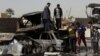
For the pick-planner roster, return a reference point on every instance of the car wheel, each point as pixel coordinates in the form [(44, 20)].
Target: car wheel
[(34, 50), (38, 49), (51, 49)]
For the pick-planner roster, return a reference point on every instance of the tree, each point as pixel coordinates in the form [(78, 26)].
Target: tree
[(10, 12)]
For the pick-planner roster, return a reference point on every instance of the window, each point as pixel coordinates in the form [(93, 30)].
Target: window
[(46, 36), (26, 22)]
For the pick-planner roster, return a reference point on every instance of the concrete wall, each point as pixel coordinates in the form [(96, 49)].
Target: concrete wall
[(8, 24)]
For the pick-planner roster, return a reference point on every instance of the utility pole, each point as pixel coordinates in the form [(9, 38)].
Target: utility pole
[(69, 13)]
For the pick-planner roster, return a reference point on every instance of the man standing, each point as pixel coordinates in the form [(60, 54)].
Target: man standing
[(95, 36), (72, 36), (46, 17), (81, 34), (58, 14)]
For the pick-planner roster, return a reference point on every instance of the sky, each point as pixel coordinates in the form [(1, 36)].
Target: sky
[(21, 7)]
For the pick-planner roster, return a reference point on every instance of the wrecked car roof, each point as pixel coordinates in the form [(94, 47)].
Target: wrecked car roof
[(92, 5), (33, 17), (32, 13)]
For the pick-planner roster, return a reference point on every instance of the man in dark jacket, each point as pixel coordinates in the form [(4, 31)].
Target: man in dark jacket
[(58, 15), (46, 17), (72, 36)]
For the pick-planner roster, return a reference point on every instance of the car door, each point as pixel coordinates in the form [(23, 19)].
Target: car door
[(45, 40)]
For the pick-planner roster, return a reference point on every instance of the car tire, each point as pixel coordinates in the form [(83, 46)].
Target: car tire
[(34, 51), (38, 49), (50, 49)]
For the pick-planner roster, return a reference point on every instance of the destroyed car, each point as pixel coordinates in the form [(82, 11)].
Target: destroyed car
[(30, 25), (17, 44), (93, 13), (50, 42)]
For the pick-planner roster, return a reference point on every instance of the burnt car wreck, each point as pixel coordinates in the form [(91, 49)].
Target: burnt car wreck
[(28, 32), (94, 14)]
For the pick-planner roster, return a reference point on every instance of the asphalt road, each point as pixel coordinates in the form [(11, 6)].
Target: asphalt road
[(83, 51)]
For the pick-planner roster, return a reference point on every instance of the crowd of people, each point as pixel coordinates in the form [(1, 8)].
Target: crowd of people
[(76, 34), (80, 29), (72, 29)]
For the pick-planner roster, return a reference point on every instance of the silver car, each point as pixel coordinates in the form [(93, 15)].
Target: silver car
[(50, 42)]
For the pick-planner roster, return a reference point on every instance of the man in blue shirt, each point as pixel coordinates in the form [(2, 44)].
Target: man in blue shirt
[(81, 34)]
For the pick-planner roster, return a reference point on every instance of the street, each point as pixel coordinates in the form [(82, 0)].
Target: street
[(82, 52)]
